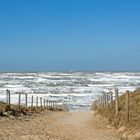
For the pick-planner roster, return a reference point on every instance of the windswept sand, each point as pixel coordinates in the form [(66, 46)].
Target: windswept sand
[(57, 126)]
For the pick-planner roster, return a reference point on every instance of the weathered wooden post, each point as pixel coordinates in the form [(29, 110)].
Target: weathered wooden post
[(9, 99), (108, 100), (41, 102), (105, 98), (104, 103), (96, 104), (37, 101), (32, 101), (116, 101), (127, 106), (19, 100), (52, 105), (49, 104), (7, 96), (100, 102), (111, 98), (110, 105), (44, 103), (26, 99)]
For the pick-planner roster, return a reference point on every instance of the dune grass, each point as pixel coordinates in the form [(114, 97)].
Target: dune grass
[(14, 110), (119, 120)]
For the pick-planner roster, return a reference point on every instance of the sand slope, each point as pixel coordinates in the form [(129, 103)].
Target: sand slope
[(57, 126)]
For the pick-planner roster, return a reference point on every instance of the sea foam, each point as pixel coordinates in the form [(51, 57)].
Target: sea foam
[(76, 90)]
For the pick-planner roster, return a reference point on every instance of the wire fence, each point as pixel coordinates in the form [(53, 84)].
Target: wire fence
[(114, 106), (28, 100)]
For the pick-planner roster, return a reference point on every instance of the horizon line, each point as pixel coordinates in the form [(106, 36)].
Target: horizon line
[(70, 71)]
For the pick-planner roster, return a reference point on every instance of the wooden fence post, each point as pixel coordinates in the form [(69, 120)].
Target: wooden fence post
[(32, 102), (104, 100), (19, 101), (97, 103), (9, 99), (7, 96), (37, 101), (102, 103), (116, 101), (52, 105), (26, 99), (47, 104), (127, 106), (110, 104), (44, 103), (41, 102), (111, 98), (107, 100)]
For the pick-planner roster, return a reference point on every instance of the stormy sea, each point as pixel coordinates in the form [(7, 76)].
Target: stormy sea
[(76, 90)]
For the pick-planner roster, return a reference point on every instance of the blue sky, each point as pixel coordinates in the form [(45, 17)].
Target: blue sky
[(63, 35)]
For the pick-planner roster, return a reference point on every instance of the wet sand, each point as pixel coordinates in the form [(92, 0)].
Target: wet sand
[(57, 126)]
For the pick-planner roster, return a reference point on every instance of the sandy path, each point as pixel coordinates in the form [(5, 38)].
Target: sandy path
[(57, 126)]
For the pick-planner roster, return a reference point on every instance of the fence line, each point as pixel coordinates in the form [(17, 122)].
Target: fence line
[(110, 100), (40, 102)]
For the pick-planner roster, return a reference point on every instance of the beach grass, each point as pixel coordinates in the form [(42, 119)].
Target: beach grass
[(119, 121), (16, 111)]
